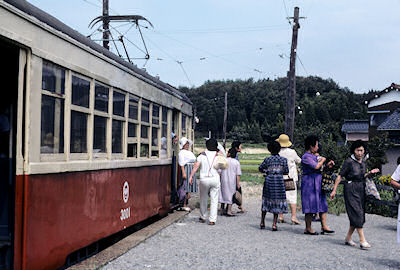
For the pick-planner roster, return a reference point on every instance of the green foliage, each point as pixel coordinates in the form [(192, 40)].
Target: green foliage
[(252, 179), (377, 147), (256, 109), (384, 180)]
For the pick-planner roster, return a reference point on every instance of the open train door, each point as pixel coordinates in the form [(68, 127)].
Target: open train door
[(12, 74)]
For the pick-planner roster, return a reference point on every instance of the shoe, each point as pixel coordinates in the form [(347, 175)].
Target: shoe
[(310, 233), (281, 220), (229, 215), (350, 243), (364, 245), (262, 226), (323, 231), (295, 222), (211, 223), (202, 220), (274, 228)]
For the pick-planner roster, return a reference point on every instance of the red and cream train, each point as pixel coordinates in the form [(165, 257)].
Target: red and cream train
[(85, 147)]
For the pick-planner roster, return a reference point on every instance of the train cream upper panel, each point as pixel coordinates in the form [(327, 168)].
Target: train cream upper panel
[(63, 50)]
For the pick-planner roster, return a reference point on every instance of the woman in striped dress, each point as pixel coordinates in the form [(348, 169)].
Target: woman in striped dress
[(274, 196)]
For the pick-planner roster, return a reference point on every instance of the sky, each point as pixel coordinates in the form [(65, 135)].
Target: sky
[(356, 43)]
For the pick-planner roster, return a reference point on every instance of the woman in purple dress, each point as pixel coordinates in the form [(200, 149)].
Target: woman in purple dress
[(313, 199)]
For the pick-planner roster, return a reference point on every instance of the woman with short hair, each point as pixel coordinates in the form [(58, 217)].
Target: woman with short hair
[(313, 199), (274, 196), (354, 170), (209, 182)]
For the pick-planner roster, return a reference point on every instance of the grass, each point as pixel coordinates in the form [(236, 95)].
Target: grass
[(252, 179)]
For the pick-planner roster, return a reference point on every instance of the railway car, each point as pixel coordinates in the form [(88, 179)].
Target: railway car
[(85, 140)]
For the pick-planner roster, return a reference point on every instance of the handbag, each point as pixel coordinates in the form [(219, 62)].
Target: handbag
[(181, 193), (237, 196), (370, 188), (289, 183), (328, 181), (220, 163)]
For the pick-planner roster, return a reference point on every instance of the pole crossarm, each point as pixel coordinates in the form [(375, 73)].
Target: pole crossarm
[(120, 18)]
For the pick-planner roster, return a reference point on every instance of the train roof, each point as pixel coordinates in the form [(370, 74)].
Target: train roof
[(58, 25)]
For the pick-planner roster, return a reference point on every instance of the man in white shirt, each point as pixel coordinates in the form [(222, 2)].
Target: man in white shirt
[(395, 182)]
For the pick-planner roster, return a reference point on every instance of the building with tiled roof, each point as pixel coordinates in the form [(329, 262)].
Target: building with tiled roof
[(384, 117), (355, 130)]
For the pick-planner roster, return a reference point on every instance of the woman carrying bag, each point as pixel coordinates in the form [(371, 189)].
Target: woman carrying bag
[(354, 170), (209, 182)]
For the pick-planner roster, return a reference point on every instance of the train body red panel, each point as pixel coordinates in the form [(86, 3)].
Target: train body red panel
[(86, 145), (65, 212)]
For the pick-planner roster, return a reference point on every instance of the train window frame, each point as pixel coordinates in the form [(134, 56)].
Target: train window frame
[(60, 96), (89, 118), (105, 114), (155, 126), (133, 140), (114, 117)]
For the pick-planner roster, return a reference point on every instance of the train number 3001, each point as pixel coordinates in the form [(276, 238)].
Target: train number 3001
[(125, 213)]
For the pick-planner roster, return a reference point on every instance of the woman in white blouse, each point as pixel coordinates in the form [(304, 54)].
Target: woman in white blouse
[(186, 160), (293, 161)]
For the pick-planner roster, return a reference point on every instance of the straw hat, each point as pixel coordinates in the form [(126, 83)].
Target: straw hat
[(284, 141)]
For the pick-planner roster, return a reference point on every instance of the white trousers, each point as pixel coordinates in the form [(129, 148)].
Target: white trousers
[(209, 187)]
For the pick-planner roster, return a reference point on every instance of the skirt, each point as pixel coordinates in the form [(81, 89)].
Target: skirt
[(354, 199), (188, 170)]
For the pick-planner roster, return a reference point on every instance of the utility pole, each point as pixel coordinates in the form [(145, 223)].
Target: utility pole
[(291, 91), (225, 117), (106, 33)]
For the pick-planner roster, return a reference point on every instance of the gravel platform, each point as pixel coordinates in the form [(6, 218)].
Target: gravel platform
[(238, 243)]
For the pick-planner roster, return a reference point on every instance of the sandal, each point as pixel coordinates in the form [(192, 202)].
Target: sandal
[(350, 243), (295, 222), (211, 223), (262, 226), (274, 228), (202, 220), (364, 245), (281, 220)]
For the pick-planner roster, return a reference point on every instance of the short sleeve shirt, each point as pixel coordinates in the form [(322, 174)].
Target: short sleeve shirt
[(353, 170), (396, 174), (206, 161)]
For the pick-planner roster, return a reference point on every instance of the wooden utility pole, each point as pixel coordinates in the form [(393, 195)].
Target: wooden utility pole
[(291, 90), (225, 117), (106, 33)]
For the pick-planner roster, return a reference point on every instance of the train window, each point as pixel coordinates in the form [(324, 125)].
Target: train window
[(52, 125), (53, 78), (145, 111), (144, 132), (144, 150), (132, 130), (78, 132), (156, 115), (184, 132), (154, 142), (133, 107), (101, 97), (118, 103), (99, 134), (80, 91), (117, 133), (164, 132), (132, 150)]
